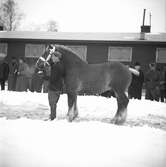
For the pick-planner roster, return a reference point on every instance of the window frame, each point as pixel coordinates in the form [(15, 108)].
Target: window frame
[(6, 50), (120, 47), (31, 44), (157, 55)]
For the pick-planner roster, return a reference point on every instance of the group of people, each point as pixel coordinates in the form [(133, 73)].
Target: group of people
[(153, 81), (21, 77)]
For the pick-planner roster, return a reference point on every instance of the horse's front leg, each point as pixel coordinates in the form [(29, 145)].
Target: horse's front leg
[(72, 107), (53, 97)]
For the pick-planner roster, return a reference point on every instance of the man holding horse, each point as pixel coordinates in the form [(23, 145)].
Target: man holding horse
[(53, 69), (55, 81)]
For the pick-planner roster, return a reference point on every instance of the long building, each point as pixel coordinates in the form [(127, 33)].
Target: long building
[(91, 47)]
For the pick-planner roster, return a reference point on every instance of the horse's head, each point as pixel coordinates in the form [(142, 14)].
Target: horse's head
[(51, 55)]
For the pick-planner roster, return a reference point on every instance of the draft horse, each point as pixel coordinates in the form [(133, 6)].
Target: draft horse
[(79, 76)]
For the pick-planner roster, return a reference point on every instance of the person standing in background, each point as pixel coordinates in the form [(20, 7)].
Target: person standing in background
[(13, 69), (152, 81), (135, 89), (163, 84), (22, 83), (4, 73), (29, 74), (165, 80)]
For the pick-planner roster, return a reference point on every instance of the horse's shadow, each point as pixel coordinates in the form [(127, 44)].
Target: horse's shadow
[(152, 121)]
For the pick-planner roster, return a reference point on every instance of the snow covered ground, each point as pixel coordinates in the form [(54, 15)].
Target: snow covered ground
[(27, 139)]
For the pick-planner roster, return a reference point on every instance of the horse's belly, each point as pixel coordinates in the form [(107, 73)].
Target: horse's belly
[(94, 87)]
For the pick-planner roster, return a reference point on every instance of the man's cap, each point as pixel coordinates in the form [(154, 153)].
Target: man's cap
[(137, 64), (50, 46)]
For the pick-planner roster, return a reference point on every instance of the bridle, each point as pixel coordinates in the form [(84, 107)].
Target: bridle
[(44, 60)]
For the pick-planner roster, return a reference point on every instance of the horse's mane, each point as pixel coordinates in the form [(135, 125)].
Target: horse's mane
[(67, 49), (63, 47)]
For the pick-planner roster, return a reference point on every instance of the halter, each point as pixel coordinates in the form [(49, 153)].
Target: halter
[(45, 60)]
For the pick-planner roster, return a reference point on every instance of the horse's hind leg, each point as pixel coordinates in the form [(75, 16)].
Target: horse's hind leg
[(122, 101), (53, 98), (72, 104)]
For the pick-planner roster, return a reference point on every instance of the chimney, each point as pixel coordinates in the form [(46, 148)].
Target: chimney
[(142, 33), (145, 28)]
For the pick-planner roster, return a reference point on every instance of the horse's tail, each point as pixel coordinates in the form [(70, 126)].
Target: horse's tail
[(134, 71)]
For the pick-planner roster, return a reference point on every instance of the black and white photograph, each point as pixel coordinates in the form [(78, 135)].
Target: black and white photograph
[(82, 83)]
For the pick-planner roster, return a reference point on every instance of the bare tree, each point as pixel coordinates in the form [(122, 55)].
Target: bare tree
[(52, 25), (10, 16), (46, 26)]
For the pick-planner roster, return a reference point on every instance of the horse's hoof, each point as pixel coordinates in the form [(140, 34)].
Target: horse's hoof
[(70, 119), (118, 120), (76, 115)]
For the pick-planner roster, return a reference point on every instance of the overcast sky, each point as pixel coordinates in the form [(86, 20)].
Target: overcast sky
[(94, 15)]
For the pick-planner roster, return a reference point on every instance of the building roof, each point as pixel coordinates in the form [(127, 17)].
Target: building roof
[(75, 36)]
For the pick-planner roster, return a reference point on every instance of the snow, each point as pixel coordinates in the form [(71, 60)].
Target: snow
[(27, 139)]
